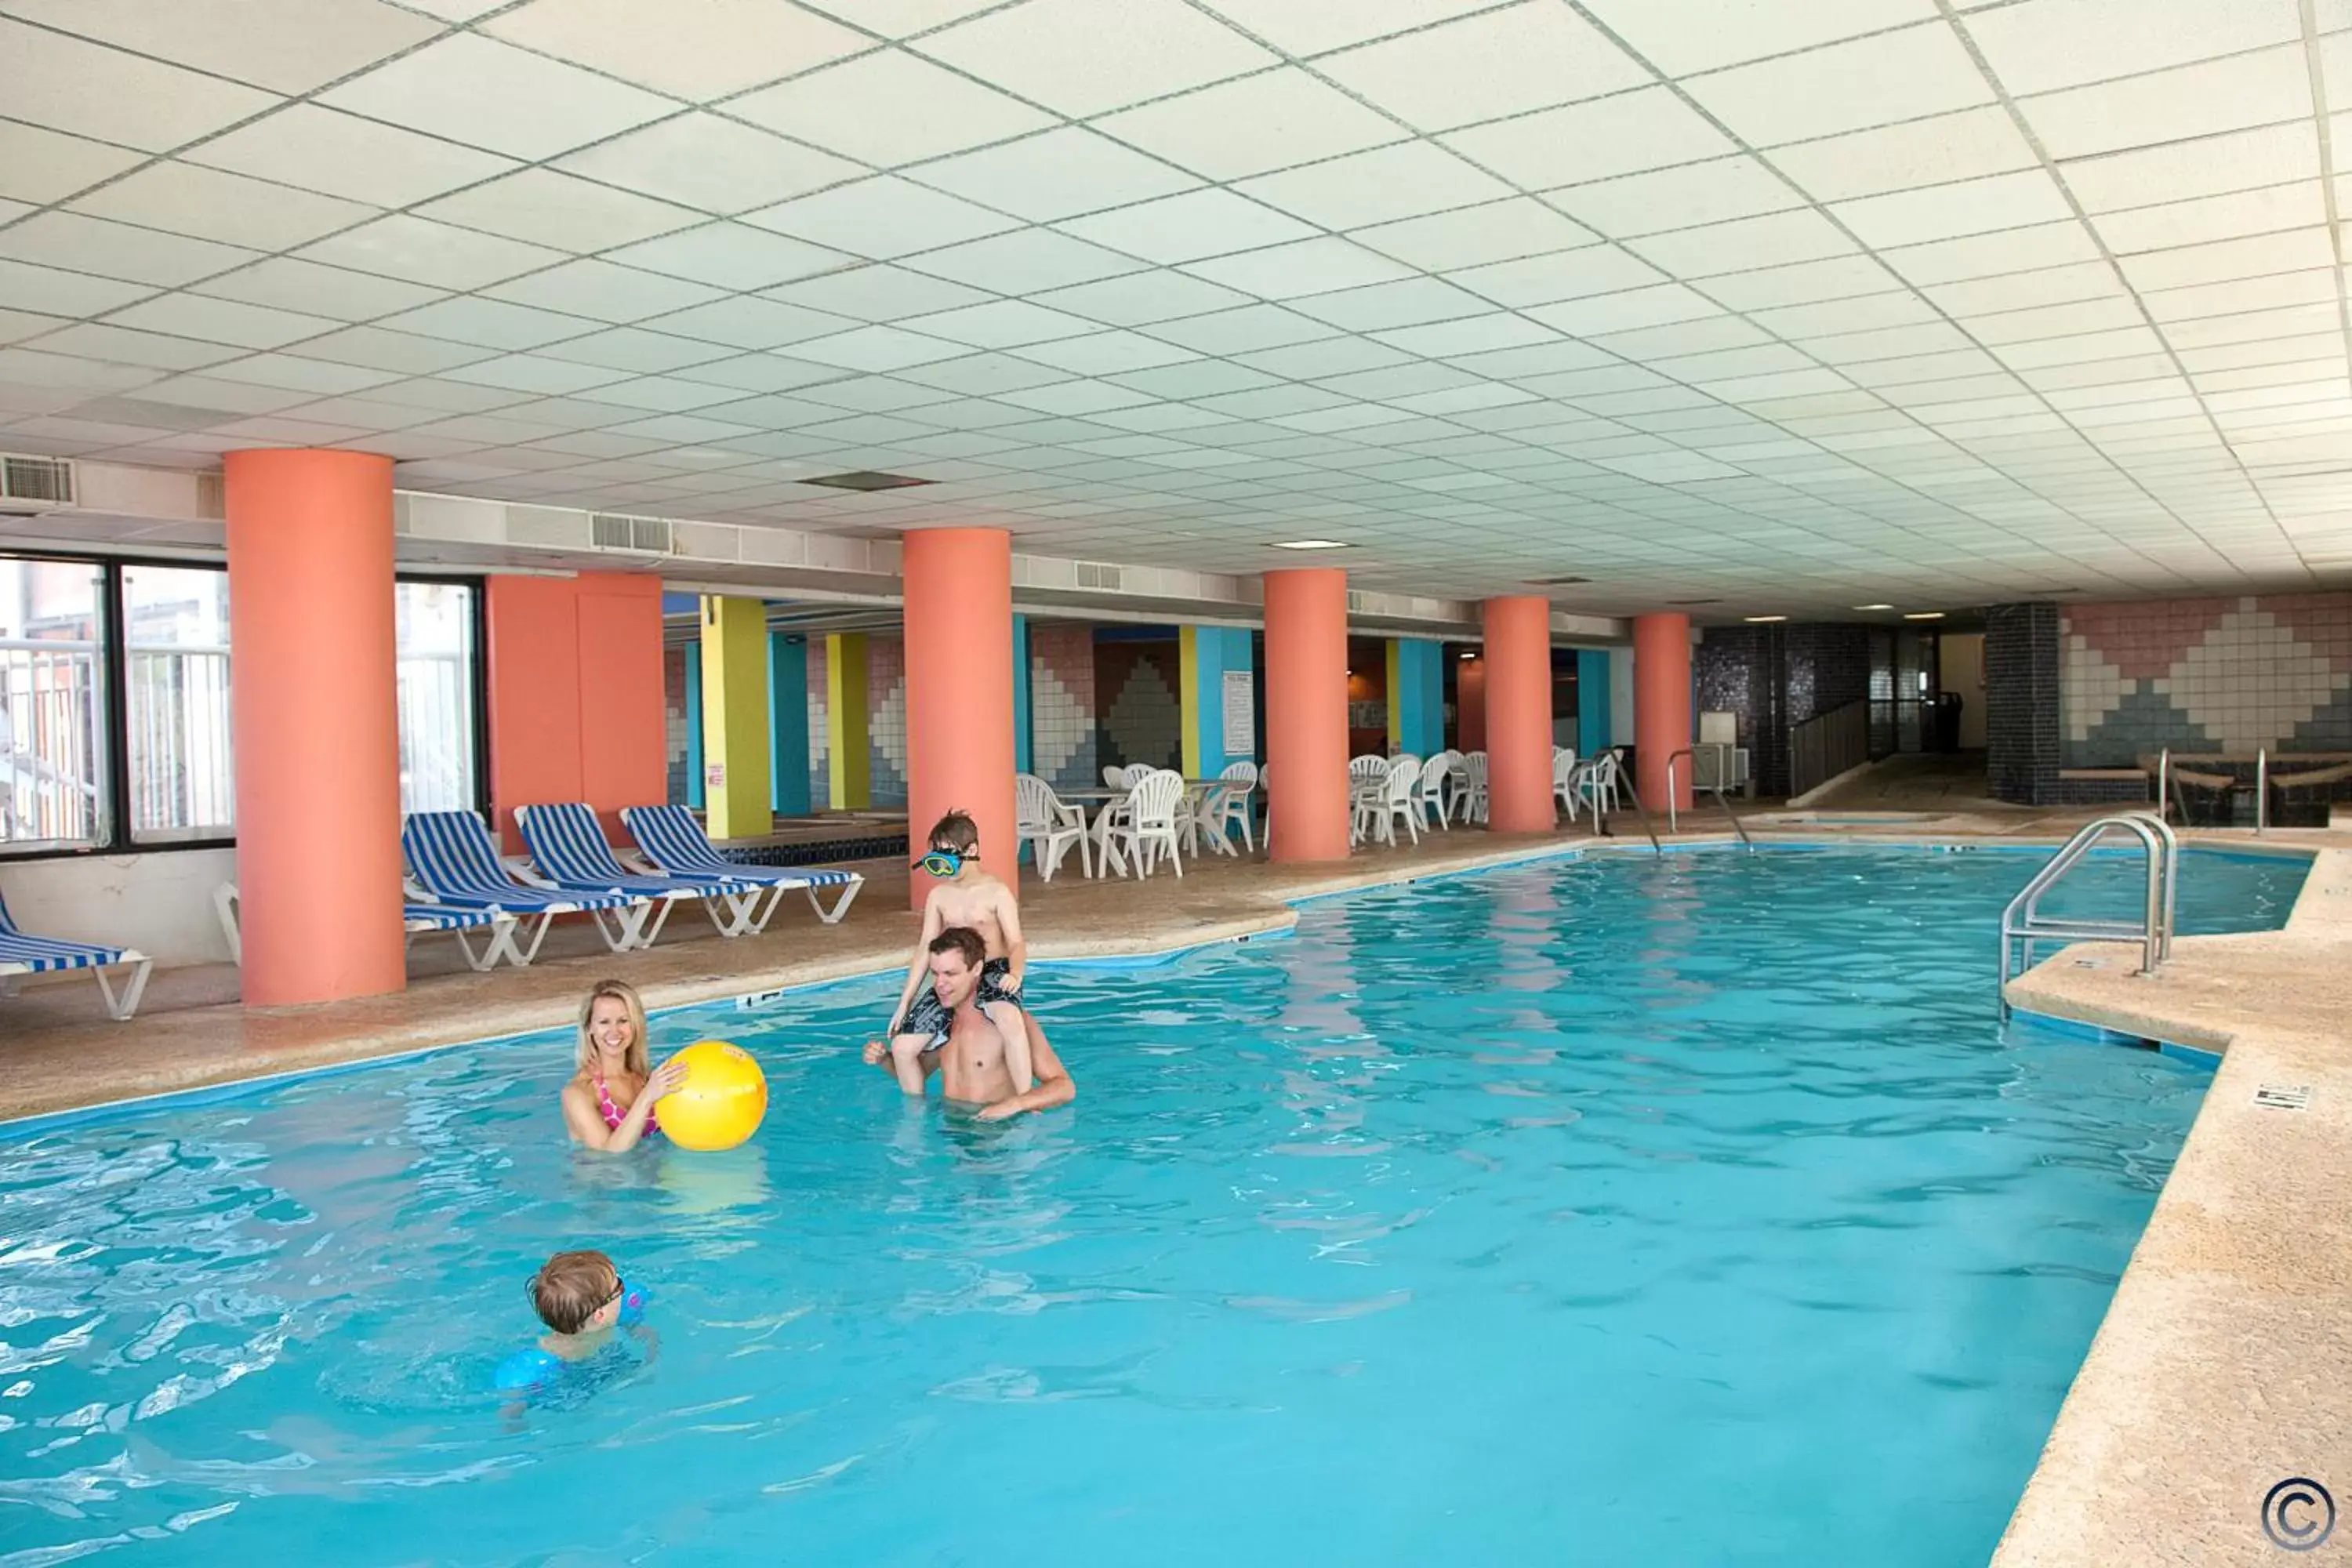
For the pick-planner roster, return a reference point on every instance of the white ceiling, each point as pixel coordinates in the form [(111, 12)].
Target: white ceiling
[(1795, 304)]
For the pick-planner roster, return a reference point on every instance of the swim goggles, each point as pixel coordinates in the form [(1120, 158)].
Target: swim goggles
[(940, 863)]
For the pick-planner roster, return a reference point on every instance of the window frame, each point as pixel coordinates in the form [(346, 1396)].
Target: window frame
[(114, 660)]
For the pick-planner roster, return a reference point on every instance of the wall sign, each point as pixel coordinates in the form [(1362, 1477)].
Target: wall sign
[(1241, 713)]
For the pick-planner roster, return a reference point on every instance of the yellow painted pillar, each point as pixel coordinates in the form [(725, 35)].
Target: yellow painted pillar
[(844, 722), (736, 800)]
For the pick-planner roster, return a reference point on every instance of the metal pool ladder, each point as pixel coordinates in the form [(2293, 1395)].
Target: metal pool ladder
[(1716, 790), (2023, 923)]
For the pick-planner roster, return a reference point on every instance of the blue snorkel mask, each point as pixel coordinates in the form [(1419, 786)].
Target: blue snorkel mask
[(943, 862)]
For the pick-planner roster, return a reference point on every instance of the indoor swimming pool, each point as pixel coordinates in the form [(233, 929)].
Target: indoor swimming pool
[(1684, 1209)]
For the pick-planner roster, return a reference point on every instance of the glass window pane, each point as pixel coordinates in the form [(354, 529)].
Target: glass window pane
[(176, 635), (52, 707), (435, 650)]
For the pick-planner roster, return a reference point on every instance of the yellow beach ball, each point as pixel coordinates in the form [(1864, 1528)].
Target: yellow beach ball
[(721, 1101)]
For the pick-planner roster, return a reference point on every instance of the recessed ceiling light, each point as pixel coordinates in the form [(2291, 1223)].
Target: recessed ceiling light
[(864, 479), (1468, 655), (1867, 608), (1311, 544), (1761, 620), (1924, 616)]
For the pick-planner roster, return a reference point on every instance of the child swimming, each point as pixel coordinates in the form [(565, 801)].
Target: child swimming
[(976, 899), (582, 1298)]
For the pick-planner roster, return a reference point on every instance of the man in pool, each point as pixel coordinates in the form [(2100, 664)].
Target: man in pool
[(964, 894), (971, 1057)]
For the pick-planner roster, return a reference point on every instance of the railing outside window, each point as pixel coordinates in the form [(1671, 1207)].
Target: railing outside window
[(52, 768), (182, 784)]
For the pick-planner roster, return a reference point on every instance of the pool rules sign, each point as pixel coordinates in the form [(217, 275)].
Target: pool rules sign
[(1241, 714)]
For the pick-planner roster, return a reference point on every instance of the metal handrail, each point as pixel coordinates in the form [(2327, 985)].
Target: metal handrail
[(2021, 921), (1632, 791), (2262, 789), (1672, 823), (2163, 782)]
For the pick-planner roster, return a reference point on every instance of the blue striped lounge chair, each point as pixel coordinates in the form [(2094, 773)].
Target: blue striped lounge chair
[(416, 920), (21, 955), (452, 857), (672, 840), (568, 848)]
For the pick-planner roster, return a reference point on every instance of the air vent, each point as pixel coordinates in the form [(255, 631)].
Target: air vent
[(1694, 601), (48, 481), (212, 499), (641, 535), (1358, 604), (1556, 581), (866, 479), (1096, 574)]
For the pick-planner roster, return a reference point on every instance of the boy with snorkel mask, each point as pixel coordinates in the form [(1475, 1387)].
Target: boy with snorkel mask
[(962, 894)]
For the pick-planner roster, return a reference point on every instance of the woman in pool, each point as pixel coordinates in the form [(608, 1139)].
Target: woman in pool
[(609, 1104)]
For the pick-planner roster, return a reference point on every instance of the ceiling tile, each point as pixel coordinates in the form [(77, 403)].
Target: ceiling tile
[(1001, 324), (1299, 29), (2232, 94), (1270, 121), (1309, 267), (693, 50), (129, 345), (425, 252), (1932, 152), (1649, 129), (86, 89), (1497, 231), (1058, 53), (1023, 262), (881, 218), (42, 167), (1508, 61), (1468, 335), (605, 291), (311, 375), (1384, 305), (80, 244), (875, 294), (1189, 228), (379, 350), (889, 108), (1106, 353), (1250, 329), (1983, 255), (343, 155), (2026, 291), (209, 204), (2050, 44), (543, 207), (2210, 165), (466, 88), (1901, 75), (1949, 212), (2255, 255), (2239, 213), (488, 322), (1564, 275), (701, 160), (1409, 180), (1802, 284), (1695, 193), (1682, 36), (1059, 175), (285, 283), (1137, 298), (730, 256), (532, 373), (285, 46), (1652, 307)]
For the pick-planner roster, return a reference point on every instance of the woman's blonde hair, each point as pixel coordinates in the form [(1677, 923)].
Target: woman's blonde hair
[(640, 1059)]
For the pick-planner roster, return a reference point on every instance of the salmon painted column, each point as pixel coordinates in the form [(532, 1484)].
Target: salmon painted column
[(1662, 706), (736, 787), (315, 725), (1306, 713), (959, 584), (1518, 715)]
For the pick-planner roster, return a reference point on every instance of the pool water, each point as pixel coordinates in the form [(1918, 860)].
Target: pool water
[(1687, 1209)]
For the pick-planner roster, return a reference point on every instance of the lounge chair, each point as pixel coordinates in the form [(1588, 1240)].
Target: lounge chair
[(671, 838), (21, 955), (416, 920), (453, 858), (568, 849)]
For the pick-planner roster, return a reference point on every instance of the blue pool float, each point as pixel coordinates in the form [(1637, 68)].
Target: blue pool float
[(532, 1369)]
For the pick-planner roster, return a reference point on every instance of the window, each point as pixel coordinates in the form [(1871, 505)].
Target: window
[(83, 768), (53, 762)]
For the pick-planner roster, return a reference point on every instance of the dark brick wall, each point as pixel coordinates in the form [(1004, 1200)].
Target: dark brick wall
[(2023, 731), (1774, 676)]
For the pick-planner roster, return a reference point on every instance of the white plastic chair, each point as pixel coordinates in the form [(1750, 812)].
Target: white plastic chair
[(1474, 765), (1563, 779), (1437, 785), (1048, 824), (1148, 823), (1375, 816), (1601, 780), (1230, 804)]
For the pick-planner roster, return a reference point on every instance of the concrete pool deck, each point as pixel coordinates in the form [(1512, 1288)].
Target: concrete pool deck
[(2216, 1373)]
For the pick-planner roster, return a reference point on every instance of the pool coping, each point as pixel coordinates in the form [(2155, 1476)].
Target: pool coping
[(2214, 1375)]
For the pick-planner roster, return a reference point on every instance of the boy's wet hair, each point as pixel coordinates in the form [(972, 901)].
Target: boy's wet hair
[(571, 1287), (956, 831), (962, 940)]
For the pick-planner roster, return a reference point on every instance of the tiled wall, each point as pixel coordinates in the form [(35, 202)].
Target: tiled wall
[(820, 732), (2229, 675), (2022, 731), (886, 725), (1137, 686), (674, 717), (1771, 678), (1062, 705)]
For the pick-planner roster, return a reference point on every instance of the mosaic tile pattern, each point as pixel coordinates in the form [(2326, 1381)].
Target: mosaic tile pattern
[(886, 720), (1062, 705), (820, 701), (1137, 686), (674, 736), (2023, 736), (2214, 675)]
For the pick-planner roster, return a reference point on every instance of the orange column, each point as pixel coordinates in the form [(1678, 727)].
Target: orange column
[(1662, 706), (314, 725), (1518, 715), (958, 590), (1307, 713)]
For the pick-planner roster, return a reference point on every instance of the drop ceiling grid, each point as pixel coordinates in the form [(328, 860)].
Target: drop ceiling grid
[(1799, 424)]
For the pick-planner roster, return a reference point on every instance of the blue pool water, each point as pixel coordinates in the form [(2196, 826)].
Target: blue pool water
[(1680, 1210)]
